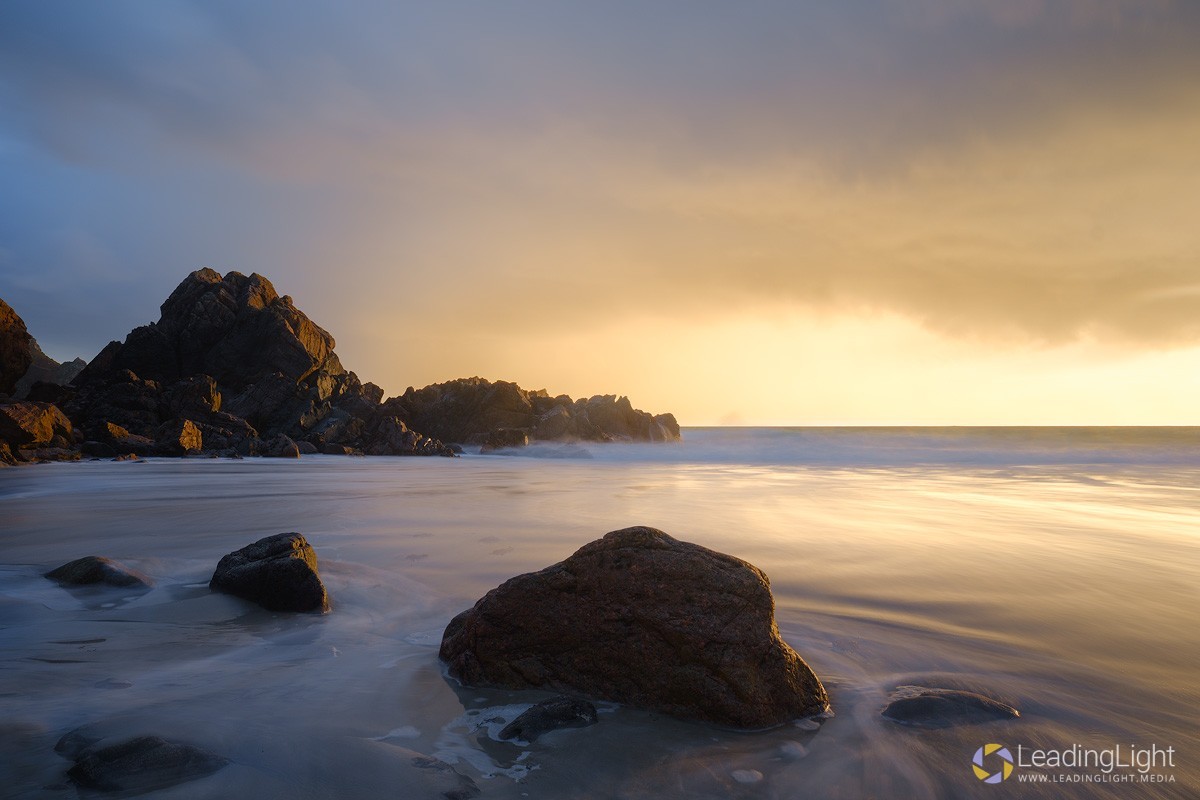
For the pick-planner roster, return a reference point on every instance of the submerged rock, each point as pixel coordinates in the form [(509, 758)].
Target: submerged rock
[(278, 572), (639, 617), (550, 715), (924, 707), (98, 569), (138, 765)]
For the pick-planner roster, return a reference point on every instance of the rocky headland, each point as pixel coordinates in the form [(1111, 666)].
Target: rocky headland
[(232, 368)]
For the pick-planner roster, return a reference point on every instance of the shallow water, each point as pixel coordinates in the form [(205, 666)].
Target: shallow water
[(1054, 569)]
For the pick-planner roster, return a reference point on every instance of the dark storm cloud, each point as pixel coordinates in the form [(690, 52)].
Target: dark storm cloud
[(983, 167)]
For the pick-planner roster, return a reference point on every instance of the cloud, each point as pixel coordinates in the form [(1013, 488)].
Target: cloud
[(999, 171)]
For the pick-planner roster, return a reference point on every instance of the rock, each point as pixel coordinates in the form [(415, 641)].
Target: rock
[(639, 617), (391, 437), (306, 448), (242, 363), (196, 396), (15, 353), (924, 707), (98, 449), (278, 572), (123, 441), (504, 439), (46, 371), (280, 446), (179, 437), (469, 409), (553, 424), (550, 715), (98, 569), (138, 765), (30, 424)]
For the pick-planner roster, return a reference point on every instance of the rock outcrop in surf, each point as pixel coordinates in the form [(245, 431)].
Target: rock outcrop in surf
[(232, 367)]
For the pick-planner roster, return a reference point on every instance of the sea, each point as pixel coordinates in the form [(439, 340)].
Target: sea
[(1053, 569)]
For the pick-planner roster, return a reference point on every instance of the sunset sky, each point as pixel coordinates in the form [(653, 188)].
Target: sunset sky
[(808, 213)]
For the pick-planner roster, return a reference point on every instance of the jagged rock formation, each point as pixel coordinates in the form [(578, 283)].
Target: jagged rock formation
[(247, 369), (233, 368), (478, 411), (15, 353), (45, 370)]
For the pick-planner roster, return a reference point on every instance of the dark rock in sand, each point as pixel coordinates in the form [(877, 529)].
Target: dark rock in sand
[(15, 352), (278, 572), (924, 707), (136, 766), (550, 715), (27, 424), (641, 618), (98, 569), (504, 439)]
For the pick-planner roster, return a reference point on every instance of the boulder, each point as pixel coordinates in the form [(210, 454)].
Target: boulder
[(31, 424), (553, 424), (15, 353), (98, 569), (136, 766), (179, 437), (391, 437), (641, 618), (280, 446), (278, 572), (550, 715), (122, 441), (925, 707)]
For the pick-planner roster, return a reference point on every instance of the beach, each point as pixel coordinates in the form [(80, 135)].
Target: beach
[(1056, 570)]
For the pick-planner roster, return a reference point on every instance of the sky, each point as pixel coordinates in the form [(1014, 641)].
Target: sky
[(867, 212)]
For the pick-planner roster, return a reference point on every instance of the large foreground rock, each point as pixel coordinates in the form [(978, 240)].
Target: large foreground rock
[(639, 617), (278, 572)]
